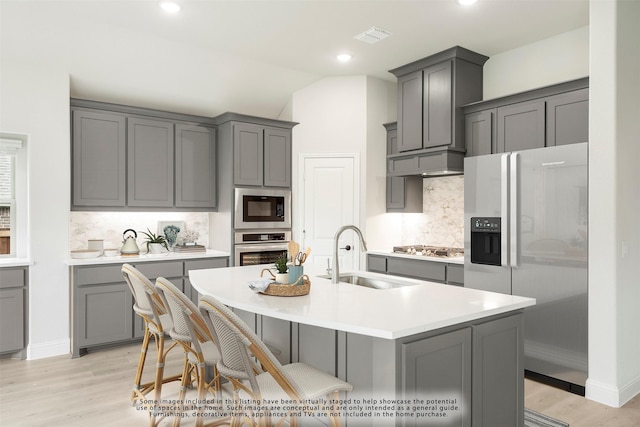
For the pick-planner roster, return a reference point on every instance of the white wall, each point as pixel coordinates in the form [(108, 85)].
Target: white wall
[(549, 61), (35, 101), (614, 203), (345, 115)]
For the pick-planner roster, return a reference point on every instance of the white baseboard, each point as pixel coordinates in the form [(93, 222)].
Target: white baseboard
[(612, 396), (49, 349)]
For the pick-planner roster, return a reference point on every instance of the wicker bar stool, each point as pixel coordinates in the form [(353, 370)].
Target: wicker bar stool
[(202, 353), (270, 380), (157, 324)]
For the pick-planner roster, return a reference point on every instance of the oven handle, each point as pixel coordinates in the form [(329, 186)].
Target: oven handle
[(262, 247)]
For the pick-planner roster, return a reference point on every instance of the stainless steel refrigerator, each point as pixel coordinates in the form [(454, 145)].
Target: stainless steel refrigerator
[(525, 230)]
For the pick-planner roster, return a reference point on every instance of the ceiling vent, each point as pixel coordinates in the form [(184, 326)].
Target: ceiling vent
[(373, 35)]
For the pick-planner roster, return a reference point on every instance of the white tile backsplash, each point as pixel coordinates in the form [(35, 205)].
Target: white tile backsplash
[(110, 226), (442, 220)]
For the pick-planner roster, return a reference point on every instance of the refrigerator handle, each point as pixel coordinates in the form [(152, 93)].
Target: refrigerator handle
[(504, 210), (514, 173)]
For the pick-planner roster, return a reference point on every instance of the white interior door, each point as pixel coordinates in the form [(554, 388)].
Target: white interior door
[(329, 200)]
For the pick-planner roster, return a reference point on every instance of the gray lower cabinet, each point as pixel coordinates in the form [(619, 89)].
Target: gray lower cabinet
[(477, 366), (106, 314), (13, 319), (439, 367), (127, 158), (498, 369), (98, 159), (276, 334), (318, 347), (418, 268), (102, 311), (455, 274)]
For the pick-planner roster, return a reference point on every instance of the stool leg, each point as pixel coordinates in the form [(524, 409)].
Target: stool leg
[(141, 361)]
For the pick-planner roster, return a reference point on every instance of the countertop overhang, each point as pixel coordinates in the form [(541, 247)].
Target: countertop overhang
[(382, 313)]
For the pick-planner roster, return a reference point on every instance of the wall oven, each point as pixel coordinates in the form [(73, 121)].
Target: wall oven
[(260, 247), (261, 208)]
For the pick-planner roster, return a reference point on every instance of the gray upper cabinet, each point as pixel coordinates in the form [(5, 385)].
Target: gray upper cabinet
[(480, 128), (568, 118), (410, 111), (430, 94), (195, 178), (404, 193), (545, 117), (521, 126), (277, 157), (150, 163), (262, 156), (437, 112), (248, 154), (254, 151), (128, 158), (99, 159)]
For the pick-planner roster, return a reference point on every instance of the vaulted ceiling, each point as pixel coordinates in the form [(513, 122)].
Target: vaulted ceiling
[(250, 56)]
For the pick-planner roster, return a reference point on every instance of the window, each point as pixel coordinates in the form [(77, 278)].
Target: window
[(9, 147)]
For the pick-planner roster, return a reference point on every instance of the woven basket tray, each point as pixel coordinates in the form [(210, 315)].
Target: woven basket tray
[(292, 290)]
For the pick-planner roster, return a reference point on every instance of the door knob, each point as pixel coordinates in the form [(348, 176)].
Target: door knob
[(348, 247)]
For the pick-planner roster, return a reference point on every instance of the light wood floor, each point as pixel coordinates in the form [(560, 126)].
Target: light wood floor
[(93, 390)]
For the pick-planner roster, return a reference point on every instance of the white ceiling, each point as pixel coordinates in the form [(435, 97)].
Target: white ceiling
[(250, 56)]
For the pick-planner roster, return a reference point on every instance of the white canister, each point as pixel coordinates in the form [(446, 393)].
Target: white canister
[(96, 244)]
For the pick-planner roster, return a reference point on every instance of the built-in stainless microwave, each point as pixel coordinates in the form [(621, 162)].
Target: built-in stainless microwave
[(262, 208)]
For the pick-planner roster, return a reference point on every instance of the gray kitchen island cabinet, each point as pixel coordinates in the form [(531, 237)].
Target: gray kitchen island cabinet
[(128, 158), (476, 365), (102, 305), (455, 356), (13, 319)]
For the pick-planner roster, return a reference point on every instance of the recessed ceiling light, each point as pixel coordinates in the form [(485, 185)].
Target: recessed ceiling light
[(344, 57), (467, 2), (170, 7)]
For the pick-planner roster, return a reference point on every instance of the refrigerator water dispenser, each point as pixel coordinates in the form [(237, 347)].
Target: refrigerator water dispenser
[(485, 240)]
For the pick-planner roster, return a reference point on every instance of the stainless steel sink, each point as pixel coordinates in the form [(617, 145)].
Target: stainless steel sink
[(371, 282)]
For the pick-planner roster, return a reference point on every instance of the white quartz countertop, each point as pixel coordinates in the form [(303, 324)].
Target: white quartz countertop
[(448, 260), (15, 262), (383, 313), (167, 256)]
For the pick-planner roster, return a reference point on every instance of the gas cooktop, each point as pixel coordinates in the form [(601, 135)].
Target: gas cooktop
[(433, 251)]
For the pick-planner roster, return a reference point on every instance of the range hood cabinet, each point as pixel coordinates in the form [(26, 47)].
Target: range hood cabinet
[(427, 163)]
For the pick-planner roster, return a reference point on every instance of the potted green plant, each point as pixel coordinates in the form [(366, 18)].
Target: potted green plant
[(281, 269), (155, 242)]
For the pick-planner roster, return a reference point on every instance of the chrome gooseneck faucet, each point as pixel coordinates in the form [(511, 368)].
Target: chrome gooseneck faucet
[(336, 269)]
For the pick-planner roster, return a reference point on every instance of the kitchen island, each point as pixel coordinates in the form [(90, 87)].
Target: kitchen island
[(454, 354)]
